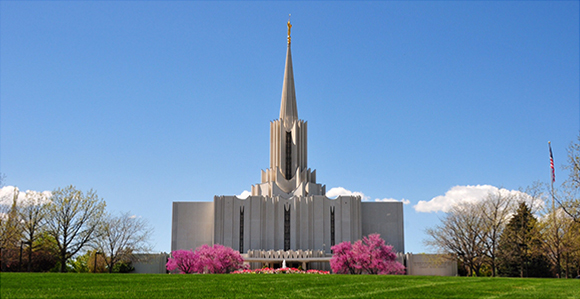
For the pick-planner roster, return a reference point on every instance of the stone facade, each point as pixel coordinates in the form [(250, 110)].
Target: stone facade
[(192, 225), (300, 222)]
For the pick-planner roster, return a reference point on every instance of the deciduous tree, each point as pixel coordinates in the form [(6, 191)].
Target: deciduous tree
[(571, 249), (10, 228), (120, 236), (560, 240), (568, 198), (32, 213), (342, 261), (216, 259), (495, 211), (552, 229), (73, 219), (462, 233), (367, 256), (182, 261)]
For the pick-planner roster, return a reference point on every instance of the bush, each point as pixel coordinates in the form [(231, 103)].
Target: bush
[(123, 267), (367, 256), (216, 259)]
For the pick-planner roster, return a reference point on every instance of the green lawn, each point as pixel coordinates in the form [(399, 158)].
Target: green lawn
[(69, 285)]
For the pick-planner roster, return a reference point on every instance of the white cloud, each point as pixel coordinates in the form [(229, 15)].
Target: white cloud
[(7, 195), (244, 194), (404, 201), (459, 194), (337, 191), (23, 198)]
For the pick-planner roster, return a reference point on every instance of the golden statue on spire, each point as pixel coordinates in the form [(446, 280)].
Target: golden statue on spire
[(289, 27)]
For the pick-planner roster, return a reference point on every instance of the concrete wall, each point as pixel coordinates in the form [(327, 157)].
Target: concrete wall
[(431, 264), (150, 263), (192, 225), (386, 219)]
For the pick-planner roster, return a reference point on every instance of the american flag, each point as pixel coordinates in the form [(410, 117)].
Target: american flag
[(552, 163)]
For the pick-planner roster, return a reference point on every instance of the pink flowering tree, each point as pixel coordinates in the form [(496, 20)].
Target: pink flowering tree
[(367, 256), (181, 260), (206, 259), (217, 259), (342, 262)]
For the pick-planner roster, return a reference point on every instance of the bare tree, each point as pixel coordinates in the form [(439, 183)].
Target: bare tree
[(571, 248), (121, 236), (569, 201), (2, 179), (533, 196), (573, 165), (73, 219), (552, 227), (495, 211), (10, 226), (32, 213), (460, 233)]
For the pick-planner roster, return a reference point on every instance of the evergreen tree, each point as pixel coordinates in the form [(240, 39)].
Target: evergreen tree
[(520, 247)]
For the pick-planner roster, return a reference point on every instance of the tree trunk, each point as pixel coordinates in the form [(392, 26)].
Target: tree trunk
[(567, 265), (63, 262), (477, 269), (29, 257), (558, 268), (471, 268)]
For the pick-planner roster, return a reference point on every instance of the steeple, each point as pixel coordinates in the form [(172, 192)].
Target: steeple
[(288, 174), (288, 110)]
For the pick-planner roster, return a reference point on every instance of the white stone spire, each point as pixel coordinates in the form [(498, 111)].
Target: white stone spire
[(288, 110), (288, 174)]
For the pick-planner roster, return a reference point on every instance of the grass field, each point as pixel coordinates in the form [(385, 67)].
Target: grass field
[(70, 285)]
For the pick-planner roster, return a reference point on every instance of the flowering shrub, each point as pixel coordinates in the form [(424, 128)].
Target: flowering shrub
[(317, 272), (206, 259), (367, 256), (279, 271)]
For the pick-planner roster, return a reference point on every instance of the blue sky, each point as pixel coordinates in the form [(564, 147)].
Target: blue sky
[(154, 102)]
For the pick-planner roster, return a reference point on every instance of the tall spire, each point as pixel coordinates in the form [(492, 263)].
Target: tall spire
[(288, 174), (288, 110)]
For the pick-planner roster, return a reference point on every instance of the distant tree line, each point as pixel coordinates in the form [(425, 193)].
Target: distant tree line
[(535, 233), (67, 230)]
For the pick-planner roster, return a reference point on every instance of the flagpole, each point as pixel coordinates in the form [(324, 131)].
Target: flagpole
[(553, 174), (554, 209)]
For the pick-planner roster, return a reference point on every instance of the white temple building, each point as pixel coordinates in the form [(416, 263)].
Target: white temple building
[(288, 210)]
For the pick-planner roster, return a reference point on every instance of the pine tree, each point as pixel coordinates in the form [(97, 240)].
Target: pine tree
[(520, 247)]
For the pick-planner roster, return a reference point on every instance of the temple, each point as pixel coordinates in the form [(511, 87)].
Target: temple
[(288, 211)]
